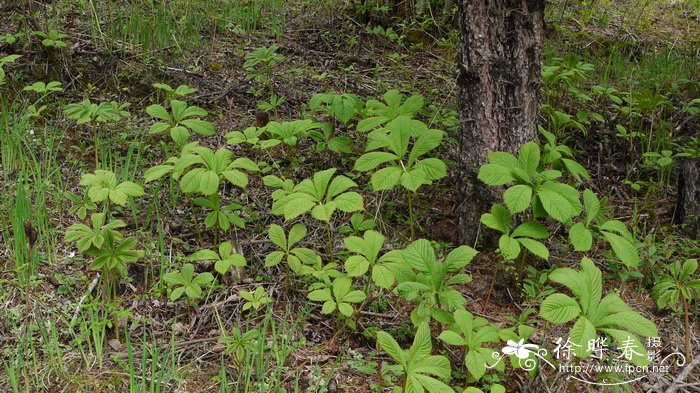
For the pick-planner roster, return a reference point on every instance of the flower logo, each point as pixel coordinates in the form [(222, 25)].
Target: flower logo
[(519, 349)]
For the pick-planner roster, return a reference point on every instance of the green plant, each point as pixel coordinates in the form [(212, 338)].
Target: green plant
[(524, 234), (226, 258), (212, 168), (103, 186), (181, 119), (473, 333), (366, 250), (615, 232), (403, 166), (250, 135), (174, 94), (595, 314), (52, 39), (326, 139), (6, 60), (339, 107), (421, 370), (379, 113), (320, 195), (560, 156), (358, 223), (273, 104), (256, 299), (85, 112), (239, 344), (87, 237), (298, 259), (340, 296), (288, 132), (221, 216), (678, 287), (185, 281), (534, 185), (260, 65), (432, 283)]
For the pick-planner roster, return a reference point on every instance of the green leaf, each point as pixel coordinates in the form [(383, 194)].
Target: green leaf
[(391, 347), (531, 229), (518, 198), (580, 237), (510, 249), (386, 178), (580, 335), (356, 265), (498, 219), (535, 247), (559, 308), (591, 204), (369, 161), (624, 250)]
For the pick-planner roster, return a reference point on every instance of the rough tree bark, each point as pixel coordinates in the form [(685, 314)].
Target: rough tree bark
[(498, 86), (688, 208)]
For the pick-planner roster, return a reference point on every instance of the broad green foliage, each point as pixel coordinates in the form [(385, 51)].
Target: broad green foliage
[(103, 185), (226, 258), (534, 186), (340, 296), (283, 187), (80, 206), (560, 156), (43, 88), (299, 259), (422, 370), (615, 232), (260, 65), (473, 333), (379, 113), (256, 299), (239, 344), (221, 216), (211, 168), (185, 281), (180, 121), (173, 94), (366, 256), (678, 286), (288, 132), (87, 238), (403, 166), (342, 107), (320, 195), (114, 254), (524, 234), (250, 135), (431, 284), (52, 39), (85, 111), (6, 60), (358, 223), (326, 140), (595, 314)]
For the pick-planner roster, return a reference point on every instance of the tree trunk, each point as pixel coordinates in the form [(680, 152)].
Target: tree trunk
[(498, 82), (688, 209)]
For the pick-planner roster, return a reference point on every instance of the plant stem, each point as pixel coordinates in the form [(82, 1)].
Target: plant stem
[(94, 137), (330, 241), (688, 350), (410, 215)]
